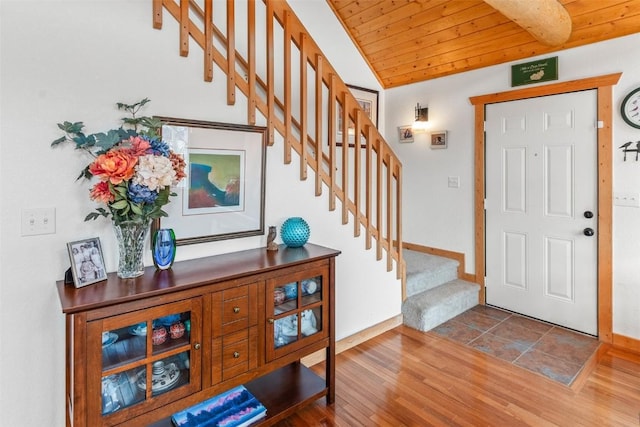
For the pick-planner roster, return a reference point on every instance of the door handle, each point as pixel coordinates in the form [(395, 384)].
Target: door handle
[(588, 232), (588, 214)]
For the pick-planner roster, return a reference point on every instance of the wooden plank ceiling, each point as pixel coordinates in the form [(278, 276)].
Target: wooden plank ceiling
[(408, 41)]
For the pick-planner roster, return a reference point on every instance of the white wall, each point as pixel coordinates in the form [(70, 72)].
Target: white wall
[(442, 217), (73, 60)]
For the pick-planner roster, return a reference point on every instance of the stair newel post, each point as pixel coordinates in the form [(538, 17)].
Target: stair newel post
[(270, 75), (208, 40), (251, 60), (332, 142), (319, 152), (368, 188), (231, 53), (303, 107), (184, 27), (356, 172)]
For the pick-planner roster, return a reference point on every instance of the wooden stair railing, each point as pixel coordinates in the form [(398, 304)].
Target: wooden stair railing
[(327, 112)]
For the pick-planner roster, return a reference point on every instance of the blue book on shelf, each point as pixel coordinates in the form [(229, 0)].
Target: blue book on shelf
[(234, 408)]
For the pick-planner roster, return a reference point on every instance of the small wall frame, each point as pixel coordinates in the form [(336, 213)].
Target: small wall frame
[(439, 139), (405, 133)]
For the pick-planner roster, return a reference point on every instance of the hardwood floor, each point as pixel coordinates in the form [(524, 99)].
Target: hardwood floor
[(409, 378)]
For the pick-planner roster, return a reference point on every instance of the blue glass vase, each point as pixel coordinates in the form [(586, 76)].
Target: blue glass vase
[(163, 248), (295, 232)]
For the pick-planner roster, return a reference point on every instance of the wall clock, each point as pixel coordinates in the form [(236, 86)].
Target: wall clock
[(630, 108)]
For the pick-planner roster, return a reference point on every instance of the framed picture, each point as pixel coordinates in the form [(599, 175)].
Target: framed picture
[(405, 133), (439, 139), (368, 100), (222, 196), (87, 262)]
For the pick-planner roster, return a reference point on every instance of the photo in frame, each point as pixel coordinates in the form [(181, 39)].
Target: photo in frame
[(439, 139), (368, 100), (222, 196), (87, 262), (405, 133)]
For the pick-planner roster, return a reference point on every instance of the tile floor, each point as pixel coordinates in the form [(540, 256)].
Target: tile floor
[(549, 350)]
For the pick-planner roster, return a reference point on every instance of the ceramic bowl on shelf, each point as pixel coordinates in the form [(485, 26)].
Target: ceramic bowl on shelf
[(176, 330), (159, 335), (291, 290), (278, 296)]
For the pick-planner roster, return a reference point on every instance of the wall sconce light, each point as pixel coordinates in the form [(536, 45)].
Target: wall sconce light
[(422, 118)]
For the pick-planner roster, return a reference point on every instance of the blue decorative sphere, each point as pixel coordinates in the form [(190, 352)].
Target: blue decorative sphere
[(295, 232)]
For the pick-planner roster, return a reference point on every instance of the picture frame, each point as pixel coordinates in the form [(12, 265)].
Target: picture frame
[(439, 139), (87, 262), (405, 133), (368, 100), (222, 196)]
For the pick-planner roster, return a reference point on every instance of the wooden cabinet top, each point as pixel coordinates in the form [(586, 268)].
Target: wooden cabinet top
[(186, 274)]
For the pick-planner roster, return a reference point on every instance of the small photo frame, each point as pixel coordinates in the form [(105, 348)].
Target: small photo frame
[(405, 133), (439, 139), (87, 262)]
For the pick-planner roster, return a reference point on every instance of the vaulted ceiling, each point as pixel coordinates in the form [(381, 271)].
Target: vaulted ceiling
[(408, 41)]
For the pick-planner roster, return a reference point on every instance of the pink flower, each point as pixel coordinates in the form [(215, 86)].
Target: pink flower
[(139, 146), (114, 166), (101, 192)]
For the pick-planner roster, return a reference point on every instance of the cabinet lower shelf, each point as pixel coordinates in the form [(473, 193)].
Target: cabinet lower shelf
[(282, 392)]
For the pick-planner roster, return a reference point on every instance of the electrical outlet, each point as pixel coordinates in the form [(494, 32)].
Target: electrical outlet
[(38, 221), (627, 199)]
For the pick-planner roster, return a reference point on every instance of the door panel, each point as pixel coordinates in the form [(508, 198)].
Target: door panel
[(541, 168)]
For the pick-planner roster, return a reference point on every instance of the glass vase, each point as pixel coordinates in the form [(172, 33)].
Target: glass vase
[(295, 232), (163, 248), (131, 236)]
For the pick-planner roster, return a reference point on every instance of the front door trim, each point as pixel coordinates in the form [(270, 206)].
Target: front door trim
[(604, 85)]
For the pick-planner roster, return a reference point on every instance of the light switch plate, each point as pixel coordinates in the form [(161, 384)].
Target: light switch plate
[(454, 182), (38, 221), (627, 199)]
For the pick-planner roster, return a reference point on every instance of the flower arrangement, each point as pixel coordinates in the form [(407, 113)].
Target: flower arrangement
[(135, 168)]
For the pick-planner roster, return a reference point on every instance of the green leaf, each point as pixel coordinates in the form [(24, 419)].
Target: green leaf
[(59, 140), (120, 204), (108, 140), (72, 128), (136, 209)]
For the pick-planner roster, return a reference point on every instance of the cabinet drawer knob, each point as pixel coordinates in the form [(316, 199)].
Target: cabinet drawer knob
[(236, 309), (270, 320), (196, 346), (236, 354)]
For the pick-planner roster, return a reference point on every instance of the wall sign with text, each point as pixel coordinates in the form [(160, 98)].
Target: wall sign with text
[(542, 70)]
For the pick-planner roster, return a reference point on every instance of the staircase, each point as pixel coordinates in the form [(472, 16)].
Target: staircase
[(435, 294), (302, 100)]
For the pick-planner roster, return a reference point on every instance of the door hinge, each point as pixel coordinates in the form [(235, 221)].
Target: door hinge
[(485, 281), (484, 126), (484, 204), (599, 124)]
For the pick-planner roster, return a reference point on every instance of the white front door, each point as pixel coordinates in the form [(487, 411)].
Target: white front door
[(541, 200)]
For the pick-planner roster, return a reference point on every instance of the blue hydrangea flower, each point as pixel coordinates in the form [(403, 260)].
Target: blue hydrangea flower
[(141, 194), (159, 148)]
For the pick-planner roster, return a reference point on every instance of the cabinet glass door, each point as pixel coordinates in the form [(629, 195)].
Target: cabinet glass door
[(148, 353), (298, 313)]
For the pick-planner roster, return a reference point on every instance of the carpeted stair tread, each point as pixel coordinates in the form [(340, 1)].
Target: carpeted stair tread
[(428, 309), (425, 271)]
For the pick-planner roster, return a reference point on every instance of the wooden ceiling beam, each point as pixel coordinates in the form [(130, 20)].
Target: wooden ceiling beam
[(546, 20)]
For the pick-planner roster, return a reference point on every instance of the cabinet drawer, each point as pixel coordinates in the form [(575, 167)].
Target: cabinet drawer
[(234, 309), (234, 354)]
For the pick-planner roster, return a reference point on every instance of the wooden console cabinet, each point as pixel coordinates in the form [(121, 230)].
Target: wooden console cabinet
[(196, 330)]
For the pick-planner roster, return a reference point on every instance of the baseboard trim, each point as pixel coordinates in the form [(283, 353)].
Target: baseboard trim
[(458, 256), (626, 343), (355, 339)]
